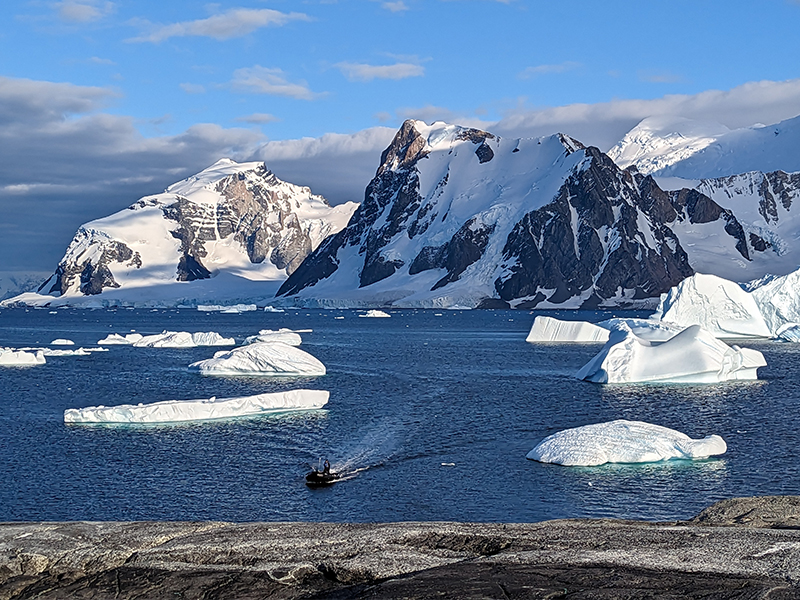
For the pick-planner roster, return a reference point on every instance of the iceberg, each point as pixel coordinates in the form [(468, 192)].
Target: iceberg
[(287, 336), (789, 332), (692, 356), (548, 329), (622, 441), (719, 306), (183, 339), (116, 339), (21, 358), (70, 352), (235, 308), (171, 411), (261, 358), (779, 301), (272, 309), (62, 342), (375, 313)]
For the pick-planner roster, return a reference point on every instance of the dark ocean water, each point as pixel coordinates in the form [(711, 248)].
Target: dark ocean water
[(409, 395)]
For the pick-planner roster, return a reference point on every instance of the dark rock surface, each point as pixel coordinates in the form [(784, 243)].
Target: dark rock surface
[(711, 556)]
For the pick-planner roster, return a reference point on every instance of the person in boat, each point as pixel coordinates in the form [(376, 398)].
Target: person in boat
[(326, 467)]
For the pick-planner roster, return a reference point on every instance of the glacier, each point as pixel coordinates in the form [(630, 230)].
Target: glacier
[(622, 441), (692, 356), (261, 358), (171, 411)]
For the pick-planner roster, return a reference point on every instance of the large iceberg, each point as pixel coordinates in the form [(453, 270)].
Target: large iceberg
[(170, 411), (779, 301), (21, 358), (261, 358), (548, 329), (720, 306), (691, 356), (287, 336), (622, 442)]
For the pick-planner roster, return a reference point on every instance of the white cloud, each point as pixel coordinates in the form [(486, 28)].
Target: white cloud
[(603, 124), (365, 72), (652, 76), (263, 80), (338, 166), (96, 60), (258, 119), (398, 6), (72, 163), (193, 88), (430, 113), (548, 69), (82, 11), (237, 22)]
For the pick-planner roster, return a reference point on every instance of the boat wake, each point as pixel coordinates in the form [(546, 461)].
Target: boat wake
[(377, 447)]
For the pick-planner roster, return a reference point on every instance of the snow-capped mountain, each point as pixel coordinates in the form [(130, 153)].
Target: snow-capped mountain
[(659, 142), (461, 217), (673, 147), (234, 219), (13, 283)]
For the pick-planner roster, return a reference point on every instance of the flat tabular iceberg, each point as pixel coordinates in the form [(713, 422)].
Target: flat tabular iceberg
[(375, 313), (692, 356), (62, 342), (720, 306), (287, 336), (548, 329), (20, 358), (236, 308), (168, 339), (622, 442), (261, 358), (170, 411)]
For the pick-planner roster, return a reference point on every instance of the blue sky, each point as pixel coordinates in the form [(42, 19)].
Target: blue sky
[(102, 101)]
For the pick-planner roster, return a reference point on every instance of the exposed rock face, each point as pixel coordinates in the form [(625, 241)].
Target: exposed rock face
[(230, 216), (568, 558), (524, 223)]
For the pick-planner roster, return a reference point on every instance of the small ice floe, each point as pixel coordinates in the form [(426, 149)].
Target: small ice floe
[(9, 357), (261, 358), (171, 411), (338, 318), (375, 313), (287, 336), (622, 441), (70, 352), (62, 342), (235, 308), (692, 356)]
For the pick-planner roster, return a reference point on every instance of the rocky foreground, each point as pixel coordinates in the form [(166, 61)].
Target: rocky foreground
[(740, 548)]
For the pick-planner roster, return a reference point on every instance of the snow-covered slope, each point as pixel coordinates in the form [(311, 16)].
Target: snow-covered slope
[(461, 216), (695, 150), (233, 219), (659, 142)]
